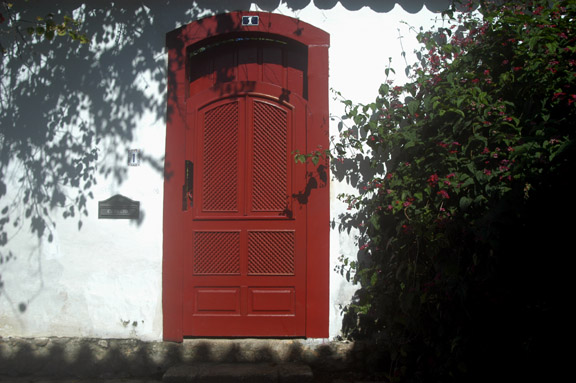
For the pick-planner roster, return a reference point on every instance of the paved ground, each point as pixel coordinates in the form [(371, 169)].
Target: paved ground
[(69, 380), (318, 378), (229, 373), (323, 379)]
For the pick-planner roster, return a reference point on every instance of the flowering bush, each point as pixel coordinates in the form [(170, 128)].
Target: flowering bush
[(478, 151)]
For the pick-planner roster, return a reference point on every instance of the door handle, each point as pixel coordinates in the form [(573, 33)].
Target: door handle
[(188, 187)]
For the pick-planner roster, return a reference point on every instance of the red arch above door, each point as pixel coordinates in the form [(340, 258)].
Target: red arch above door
[(211, 31)]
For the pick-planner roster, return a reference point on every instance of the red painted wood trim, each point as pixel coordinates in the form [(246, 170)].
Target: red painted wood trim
[(229, 23), (318, 249), (174, 245), (173, 178)]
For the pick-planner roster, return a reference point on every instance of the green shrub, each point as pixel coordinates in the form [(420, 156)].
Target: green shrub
[(461, 255)]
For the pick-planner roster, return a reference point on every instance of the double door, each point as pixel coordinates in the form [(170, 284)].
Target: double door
[(245, 265)]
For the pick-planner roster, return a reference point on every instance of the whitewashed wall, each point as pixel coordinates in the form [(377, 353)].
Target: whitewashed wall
[(104, 279)]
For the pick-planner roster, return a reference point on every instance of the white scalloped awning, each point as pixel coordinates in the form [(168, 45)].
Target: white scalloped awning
[(411, 6)]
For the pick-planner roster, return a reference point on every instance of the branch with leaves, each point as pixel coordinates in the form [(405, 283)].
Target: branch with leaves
[(42, 28)]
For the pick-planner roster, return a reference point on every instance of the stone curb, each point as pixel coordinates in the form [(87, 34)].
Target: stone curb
[(87, 358)]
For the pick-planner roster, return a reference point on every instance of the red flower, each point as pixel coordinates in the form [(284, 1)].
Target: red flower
[(444, 194), (433, 179)]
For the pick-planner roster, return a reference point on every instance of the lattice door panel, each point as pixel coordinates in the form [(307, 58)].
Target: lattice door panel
[(271, 252), (269, 163), (220, 153), (217, 252)]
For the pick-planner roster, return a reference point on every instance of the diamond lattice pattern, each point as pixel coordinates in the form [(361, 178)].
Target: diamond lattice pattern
[(217, 252), (271, 252), (220, 159), (269, 163)]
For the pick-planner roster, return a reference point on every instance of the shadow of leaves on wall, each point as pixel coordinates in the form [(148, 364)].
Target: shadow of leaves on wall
[(68, 112)]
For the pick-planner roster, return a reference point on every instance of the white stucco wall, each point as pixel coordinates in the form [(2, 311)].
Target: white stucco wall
[(104, 279)]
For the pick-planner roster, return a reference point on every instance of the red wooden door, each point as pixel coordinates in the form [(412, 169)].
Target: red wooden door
[(245, 268), (241, 98)]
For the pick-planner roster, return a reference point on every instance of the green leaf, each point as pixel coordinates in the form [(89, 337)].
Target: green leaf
[(465, 202), (374, 279), (375, 221), (384, 89), (413, 106)]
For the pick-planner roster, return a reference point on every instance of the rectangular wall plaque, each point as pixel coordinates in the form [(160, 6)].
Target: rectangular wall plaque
[(134, 157), (118, 207)]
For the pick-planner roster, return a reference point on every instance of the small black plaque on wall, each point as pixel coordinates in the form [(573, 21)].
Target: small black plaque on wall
[(119, 207)]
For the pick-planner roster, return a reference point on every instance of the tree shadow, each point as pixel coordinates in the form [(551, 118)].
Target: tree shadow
[(69, 113)]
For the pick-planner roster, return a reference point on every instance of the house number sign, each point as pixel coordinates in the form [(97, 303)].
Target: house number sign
[(118, 207)]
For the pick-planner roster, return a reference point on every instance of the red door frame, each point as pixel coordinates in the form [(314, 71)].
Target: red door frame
[(318, 205)]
